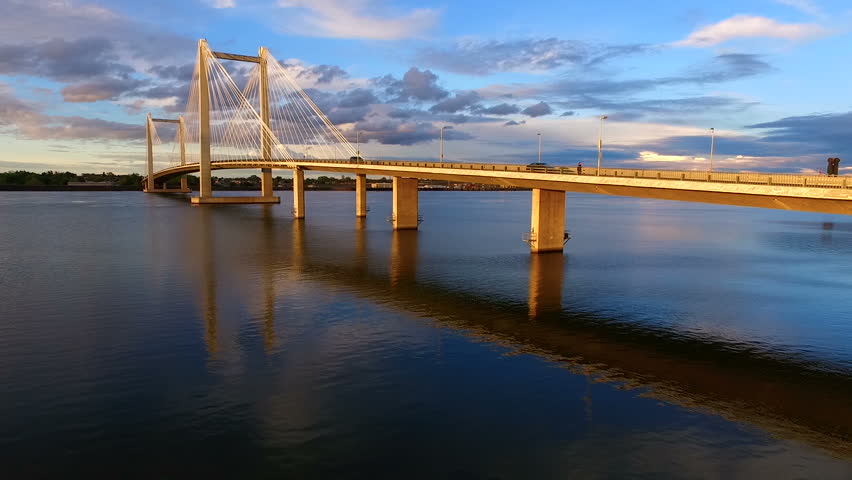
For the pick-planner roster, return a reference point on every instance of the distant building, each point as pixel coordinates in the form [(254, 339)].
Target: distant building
[(376, 186)]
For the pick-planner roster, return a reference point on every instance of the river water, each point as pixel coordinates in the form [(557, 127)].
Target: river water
[(141, 337)]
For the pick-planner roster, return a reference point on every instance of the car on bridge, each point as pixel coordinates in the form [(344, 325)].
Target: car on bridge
[(537, 167), (355, 159)]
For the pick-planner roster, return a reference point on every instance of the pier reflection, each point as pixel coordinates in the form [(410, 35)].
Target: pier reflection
[(269, 276), (403, 257), (785, 394), (205, 246), (545, 284)]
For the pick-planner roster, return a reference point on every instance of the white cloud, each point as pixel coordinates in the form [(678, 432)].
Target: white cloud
[(222, 3), (747, 26), (648, 156), (805, 6), (349, 19)]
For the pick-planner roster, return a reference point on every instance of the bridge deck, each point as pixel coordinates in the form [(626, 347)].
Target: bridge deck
[(766, 190)]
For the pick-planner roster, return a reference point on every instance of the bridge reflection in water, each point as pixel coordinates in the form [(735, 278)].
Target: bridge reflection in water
[(786, 395)]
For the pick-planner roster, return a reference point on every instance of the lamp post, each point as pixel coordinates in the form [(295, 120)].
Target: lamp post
[(539, 147), (358, 147), (600, 143), (442, 143), (712, 146)]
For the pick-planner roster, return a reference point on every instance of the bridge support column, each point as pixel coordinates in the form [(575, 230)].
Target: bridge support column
[(547, 232), (266, 181), (361, 195), (298, 193), (184, 184), (149, 183), (205, 187), (405, 212)]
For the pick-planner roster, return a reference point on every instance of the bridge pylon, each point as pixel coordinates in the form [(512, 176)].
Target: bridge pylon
[(150, 184), (241, 112)]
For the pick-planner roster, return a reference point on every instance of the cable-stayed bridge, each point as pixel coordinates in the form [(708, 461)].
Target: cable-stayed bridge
[(271, 123)]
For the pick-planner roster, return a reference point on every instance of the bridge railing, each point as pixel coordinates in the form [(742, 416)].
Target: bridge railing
[(780, 179)]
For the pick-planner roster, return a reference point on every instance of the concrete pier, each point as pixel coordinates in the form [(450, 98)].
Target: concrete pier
[(361, 195), (547, 231), (405, 212), (184, 184), (266, 182), (298, 193)]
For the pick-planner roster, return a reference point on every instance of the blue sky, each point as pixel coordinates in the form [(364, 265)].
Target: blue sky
[(771, 76)]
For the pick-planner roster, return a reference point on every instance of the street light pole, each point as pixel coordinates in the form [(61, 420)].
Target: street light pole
[(600, 143), (358, 147), (539, 147), (712, 146), (442, 143)]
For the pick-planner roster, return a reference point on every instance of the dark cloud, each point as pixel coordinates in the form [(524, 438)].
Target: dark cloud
[(31, 22), (729, 66), (416, 84), (461, 101), (404, 113), (174, 72), (824, 133), (485, 57), (632, 110), (108, 88), (340, 115), (358, 97), (81, 128), (499, 109), (63, 60), (512, 123), (397, 132), (569, 113), (537, 110), (343, 107), (27, 121), (325, 73)]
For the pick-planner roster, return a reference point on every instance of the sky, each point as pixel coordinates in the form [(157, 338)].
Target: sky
[(772, 77)]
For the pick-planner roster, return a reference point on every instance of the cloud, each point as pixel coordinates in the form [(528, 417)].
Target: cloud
[(804, 6), (102, 89), (499, 109), (824, 133), (323, 73), (396, 132), (537, 110), (348, 19), (73, 21), (730, 66), (748, 26), (478, 57), (26, 121), (461, 101), (348, 106), (221, 3), (617, 95), (63, 60), (512, 123), (416, 84), (569, 113)]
